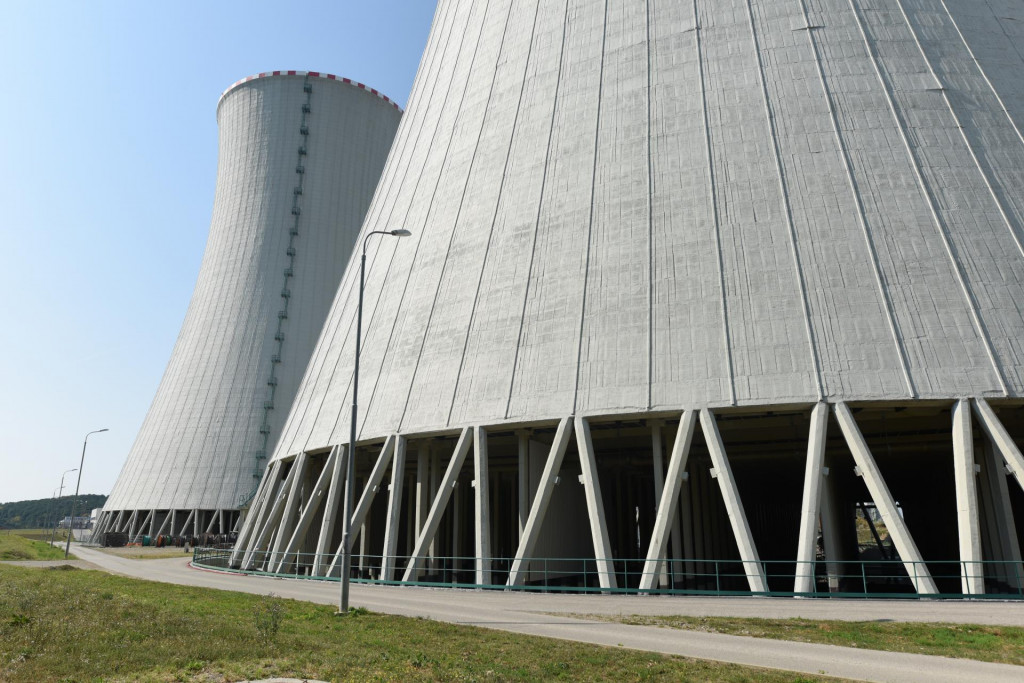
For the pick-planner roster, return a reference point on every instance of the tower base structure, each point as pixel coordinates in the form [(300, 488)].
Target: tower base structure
[(195, 526), (870, 498)]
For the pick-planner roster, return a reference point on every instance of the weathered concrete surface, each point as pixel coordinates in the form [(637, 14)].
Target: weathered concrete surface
[(542, 615), (723, 202)]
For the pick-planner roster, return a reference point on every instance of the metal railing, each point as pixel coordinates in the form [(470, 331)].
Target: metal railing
[(855, 578)]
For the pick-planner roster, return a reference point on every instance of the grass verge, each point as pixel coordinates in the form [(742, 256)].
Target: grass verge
[(113, 628), (146, 552), (28, 544), (1003, 644)]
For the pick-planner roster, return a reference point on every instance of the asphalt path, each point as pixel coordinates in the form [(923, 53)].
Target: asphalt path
[(552, 616)]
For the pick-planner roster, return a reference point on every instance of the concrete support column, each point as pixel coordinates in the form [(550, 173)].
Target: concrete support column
[(380, 468), (1001, 439), (595, 505), (253, 520), (668, 501), (1001, 527), (423, 493), (269, 524), (410, 514), (681, 539), (523, 471), (658, 465), (337, 462), (972, 571), (435, 488), (884, 502), (545, 489), (291, 509), (131, 524), (731, 495), (389, 561), (188, 520), (364, 544), (212, 523), (312, 504), (811, 505), (366, 500), (831, 521), (437, 509), (164, 524), (456, 528), (482, 509)]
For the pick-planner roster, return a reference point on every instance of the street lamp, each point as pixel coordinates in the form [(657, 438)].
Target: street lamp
[(74, 502), (56, 504), (350, 476)]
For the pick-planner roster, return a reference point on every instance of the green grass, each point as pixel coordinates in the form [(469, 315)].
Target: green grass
[(966, 641), (28, 545), (82, 625)]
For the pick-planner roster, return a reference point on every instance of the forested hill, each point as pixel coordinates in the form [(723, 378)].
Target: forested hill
[(38, 514)]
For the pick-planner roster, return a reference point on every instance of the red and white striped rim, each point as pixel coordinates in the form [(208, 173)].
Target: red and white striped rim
[(311, 74)]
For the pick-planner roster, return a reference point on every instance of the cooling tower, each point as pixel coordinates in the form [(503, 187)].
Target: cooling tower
[(300, 155), (721, 295)]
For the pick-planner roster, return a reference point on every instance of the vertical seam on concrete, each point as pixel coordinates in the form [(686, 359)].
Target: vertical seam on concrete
[(373, 216), (429, 208), (713, 192), (412, 200), (650, 219), (1002, 28), (960, 127), (494, 217), (540, 207), (462, 201), (861, 215), (256, 331), (336, 328), (982, 70), (784, 192), (979, 325), (590, 219)]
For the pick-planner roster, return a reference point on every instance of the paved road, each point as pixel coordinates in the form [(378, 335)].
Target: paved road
[(546, 615)]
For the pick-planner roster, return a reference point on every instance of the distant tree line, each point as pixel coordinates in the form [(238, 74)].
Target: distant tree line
[(39, 514)]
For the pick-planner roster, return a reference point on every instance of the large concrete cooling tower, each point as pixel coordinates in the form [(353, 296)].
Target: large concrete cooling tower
[(731, 246), (300, 156)]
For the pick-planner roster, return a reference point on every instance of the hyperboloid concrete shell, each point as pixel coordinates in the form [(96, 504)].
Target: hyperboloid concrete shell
[(300, 155), (628, 217)]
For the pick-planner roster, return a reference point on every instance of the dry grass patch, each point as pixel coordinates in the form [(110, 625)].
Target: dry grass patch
[(136, 552)]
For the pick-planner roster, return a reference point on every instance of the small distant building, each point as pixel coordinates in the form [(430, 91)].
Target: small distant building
[(80, 522)]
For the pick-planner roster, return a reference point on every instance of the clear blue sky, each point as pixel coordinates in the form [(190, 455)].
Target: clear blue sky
[(108, 160)]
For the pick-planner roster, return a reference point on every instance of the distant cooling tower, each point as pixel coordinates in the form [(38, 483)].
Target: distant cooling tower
[(732, 247), (300, 156)]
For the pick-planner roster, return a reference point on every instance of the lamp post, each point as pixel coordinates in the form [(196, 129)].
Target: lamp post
[(56, 504), (74, 502), (350, 475)]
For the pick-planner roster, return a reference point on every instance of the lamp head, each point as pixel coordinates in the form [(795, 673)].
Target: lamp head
[(401, 232)]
